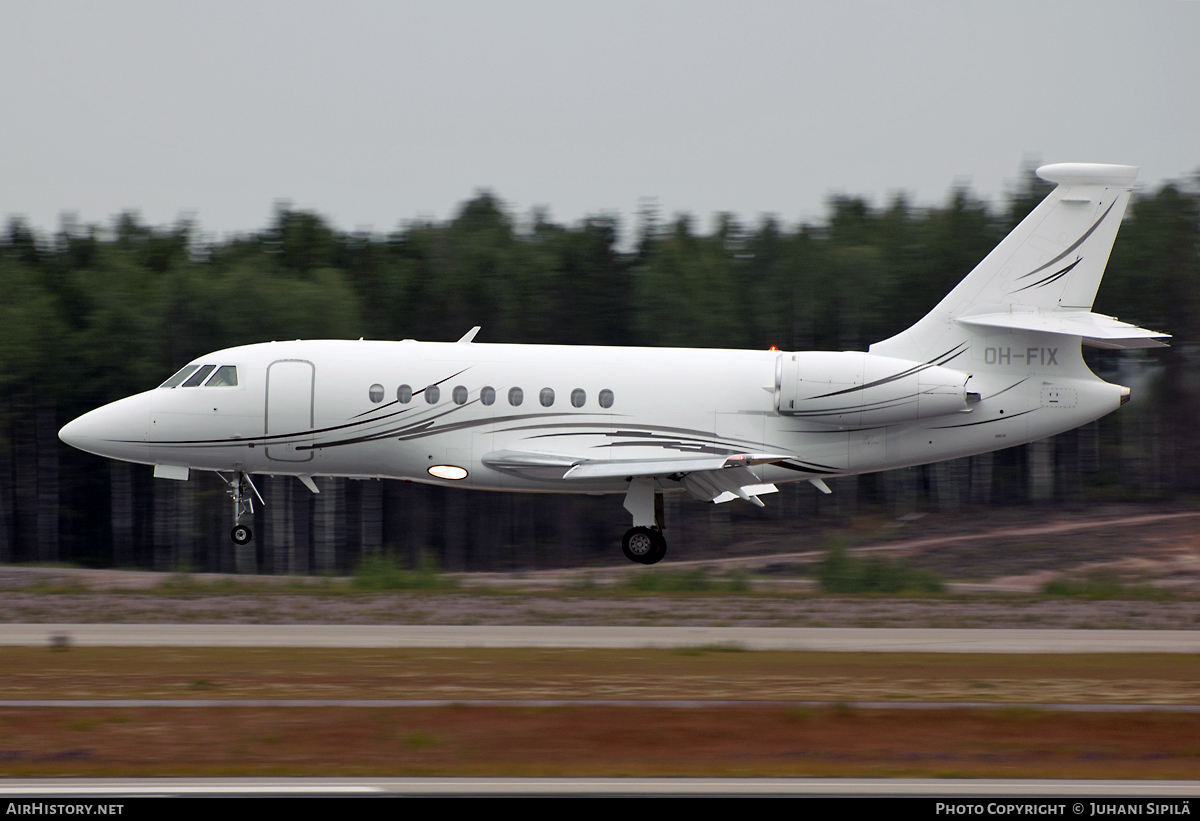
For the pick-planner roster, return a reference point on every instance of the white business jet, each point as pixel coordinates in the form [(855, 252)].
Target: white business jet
[(996, 363)]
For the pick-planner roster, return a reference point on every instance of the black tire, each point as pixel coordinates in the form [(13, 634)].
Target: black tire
[(241, 534), (643, 545), (638, 544), (660, 549)]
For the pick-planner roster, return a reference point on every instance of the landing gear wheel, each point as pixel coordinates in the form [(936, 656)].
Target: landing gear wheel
[(643, 545), (240, 489), (660, 549)]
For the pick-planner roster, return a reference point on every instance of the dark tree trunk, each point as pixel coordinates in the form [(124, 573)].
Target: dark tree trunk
[(47, 482), (372, 516), (982, 470), (121, 490), (277, 537), (328, 525), (455, 531), (7, 554), (164, 524), (416, 507), (184, 552), (395, 524), (351, 529), (301, 561)]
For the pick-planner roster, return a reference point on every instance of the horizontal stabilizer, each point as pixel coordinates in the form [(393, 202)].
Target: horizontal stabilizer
[(1097, 330)]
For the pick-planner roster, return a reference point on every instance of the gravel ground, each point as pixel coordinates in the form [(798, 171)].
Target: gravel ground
[(996, 566), (584, 609)]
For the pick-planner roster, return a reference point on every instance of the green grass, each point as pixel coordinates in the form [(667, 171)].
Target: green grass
[(842, 573), (383, 572), (683, 581), (1102, 587)]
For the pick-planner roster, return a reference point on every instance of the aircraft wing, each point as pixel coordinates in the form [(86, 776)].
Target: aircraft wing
[(707, 478), (610, 468)]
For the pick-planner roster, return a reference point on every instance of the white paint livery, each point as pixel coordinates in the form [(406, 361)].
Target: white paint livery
[(996, 363)]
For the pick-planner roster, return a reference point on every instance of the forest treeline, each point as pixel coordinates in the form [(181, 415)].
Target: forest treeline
[(93, 313)]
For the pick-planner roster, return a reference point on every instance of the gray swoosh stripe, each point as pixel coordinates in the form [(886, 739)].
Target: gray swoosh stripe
[(985, 421), (1077, 243), (1052, 278), (939, 360)]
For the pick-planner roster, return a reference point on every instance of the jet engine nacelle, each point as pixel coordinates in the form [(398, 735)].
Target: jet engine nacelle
[(850, 388)]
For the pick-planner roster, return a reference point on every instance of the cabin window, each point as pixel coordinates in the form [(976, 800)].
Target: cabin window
[(460, 395), (376, 393), (225, 377), (487, 395), (515, 396), (404, 394), (198, 377), (182, 374), (606, 398), (432, 394), (546, 397), (578, 398)]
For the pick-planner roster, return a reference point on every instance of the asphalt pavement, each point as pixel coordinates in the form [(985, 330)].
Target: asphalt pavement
[(953, 788), (829, 639)]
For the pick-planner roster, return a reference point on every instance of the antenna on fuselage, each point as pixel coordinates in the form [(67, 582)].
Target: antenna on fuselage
[(469, 335)]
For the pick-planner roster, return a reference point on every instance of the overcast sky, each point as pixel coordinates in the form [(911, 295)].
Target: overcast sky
[(378, 113)]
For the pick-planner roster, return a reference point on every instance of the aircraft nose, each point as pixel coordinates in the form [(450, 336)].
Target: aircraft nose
[(118, 430)]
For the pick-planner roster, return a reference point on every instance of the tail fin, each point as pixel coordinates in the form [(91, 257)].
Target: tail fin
[(1049, 267)]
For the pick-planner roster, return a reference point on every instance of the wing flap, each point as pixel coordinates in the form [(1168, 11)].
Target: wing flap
[(725, 485), (715, 479)]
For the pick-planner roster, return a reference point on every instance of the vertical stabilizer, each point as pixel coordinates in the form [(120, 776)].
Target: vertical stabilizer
[(1051, 263)]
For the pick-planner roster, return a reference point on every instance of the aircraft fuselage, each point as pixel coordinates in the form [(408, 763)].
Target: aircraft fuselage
[(307, 408)]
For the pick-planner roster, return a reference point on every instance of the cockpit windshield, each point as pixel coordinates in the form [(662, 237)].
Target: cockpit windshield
[(192, 376), (198, 377), (225, 377), (181, 375)]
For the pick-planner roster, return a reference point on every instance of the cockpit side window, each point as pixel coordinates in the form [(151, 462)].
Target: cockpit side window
[(182, 374), (198, 377), (225, 377)]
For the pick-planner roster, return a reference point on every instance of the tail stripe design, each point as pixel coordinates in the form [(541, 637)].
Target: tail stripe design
[(1055, 277), (1076, 244)]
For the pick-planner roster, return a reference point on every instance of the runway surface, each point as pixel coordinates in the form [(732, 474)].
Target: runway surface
[(956, 788), (836, 639), (677, 704)]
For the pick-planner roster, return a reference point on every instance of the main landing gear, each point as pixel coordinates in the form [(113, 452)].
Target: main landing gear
[(644, 543), (240, 489)]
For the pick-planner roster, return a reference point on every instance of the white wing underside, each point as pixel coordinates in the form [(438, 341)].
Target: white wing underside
[(715, 479)]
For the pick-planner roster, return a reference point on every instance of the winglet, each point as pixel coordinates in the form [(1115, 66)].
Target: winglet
[(469, 335)]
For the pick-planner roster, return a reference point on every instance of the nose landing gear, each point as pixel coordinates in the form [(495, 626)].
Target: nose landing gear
[(240, 488)]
